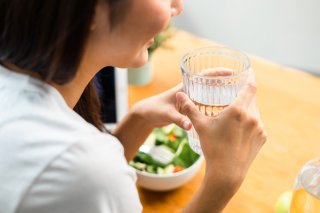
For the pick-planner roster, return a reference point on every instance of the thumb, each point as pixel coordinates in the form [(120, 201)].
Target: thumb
[(186, 106)]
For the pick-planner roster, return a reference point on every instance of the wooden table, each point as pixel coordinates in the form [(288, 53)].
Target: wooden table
[(289, 102)]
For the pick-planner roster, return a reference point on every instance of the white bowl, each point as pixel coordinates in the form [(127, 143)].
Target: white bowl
[(164, 182)]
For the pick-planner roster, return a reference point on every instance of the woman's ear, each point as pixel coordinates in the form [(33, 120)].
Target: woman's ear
[(100, 15), (93, 24), (96, 14)]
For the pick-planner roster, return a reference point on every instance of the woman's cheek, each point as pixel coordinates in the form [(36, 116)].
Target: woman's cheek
[(158, 22)]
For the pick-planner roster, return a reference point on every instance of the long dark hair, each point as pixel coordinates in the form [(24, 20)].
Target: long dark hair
[(48, 37)]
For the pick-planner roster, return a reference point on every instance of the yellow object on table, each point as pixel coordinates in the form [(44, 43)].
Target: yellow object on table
[(289, 102)]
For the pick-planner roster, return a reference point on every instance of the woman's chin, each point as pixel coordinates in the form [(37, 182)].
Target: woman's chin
[(136, 61), (140, 62)]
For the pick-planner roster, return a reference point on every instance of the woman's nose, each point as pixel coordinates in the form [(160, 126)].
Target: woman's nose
[(176, 7)]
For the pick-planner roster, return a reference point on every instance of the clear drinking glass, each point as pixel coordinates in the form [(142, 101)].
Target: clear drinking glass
[(306, 196), (212, 78)]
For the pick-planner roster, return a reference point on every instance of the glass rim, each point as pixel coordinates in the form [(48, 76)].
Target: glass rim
[(246, 69)]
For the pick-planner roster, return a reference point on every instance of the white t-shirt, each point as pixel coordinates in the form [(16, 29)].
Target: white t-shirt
[(53, 161)]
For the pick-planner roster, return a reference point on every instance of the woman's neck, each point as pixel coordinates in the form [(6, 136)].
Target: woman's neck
[(73, 90)]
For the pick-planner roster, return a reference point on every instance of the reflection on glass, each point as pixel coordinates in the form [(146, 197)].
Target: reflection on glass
[(306, 197)]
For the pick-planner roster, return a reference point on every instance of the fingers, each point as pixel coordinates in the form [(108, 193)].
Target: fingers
[(253, 109), (247, 94), (182, 121), (187, 107), (256, 115)]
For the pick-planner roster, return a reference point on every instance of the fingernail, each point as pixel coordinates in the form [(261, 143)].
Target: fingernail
[(186, 124)]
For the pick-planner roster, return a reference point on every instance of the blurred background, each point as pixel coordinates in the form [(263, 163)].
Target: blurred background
[(284, 31)]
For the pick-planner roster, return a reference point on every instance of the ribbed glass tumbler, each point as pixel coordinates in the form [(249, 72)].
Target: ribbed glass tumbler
[(212, 78)]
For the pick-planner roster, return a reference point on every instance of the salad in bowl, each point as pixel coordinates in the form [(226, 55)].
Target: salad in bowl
[(165, 161)]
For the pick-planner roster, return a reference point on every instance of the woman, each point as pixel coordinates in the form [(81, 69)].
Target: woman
[(52, 159)]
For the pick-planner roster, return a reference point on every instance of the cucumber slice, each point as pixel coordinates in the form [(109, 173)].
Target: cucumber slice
[(160, 170), (169, 169), (139, 165)]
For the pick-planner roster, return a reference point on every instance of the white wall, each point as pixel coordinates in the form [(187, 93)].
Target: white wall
[(285, 31)]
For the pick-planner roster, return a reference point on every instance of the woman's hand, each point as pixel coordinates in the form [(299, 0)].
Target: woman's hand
[(160, 110), (230, 142), (146, 115)]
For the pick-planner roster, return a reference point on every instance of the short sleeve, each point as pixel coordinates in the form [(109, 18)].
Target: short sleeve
[(89, 177)]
